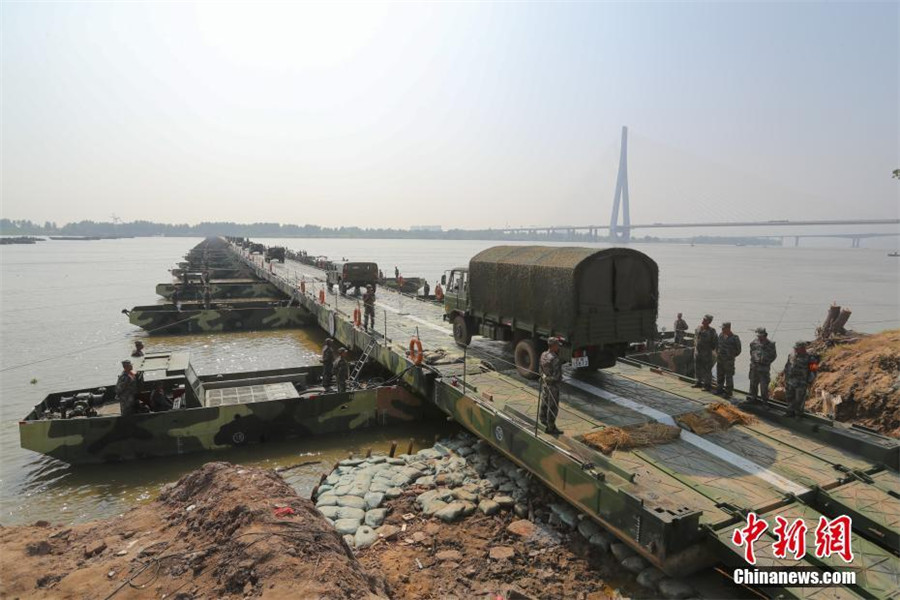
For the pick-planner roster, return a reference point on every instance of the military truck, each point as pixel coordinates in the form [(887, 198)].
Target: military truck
[(599, 300), (348, 275), (275, 253)]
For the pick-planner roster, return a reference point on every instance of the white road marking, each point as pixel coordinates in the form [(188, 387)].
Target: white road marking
[(736, 460)]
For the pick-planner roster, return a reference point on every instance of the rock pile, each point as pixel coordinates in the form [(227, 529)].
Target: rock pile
[(459, 477)]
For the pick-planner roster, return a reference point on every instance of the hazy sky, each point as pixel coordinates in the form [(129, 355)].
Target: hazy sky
[(468, 115)]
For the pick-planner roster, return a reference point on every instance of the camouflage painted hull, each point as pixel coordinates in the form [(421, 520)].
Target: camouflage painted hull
[(117, 438), (410, 285), (223, 289), (166, 320), (225, 273)]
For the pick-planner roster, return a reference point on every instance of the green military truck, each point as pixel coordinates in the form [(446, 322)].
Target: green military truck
[(348, 275), (599, 300)]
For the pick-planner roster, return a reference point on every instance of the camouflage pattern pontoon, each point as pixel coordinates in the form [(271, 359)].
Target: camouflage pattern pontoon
[(219, 411), (235, 315), (221, 289)]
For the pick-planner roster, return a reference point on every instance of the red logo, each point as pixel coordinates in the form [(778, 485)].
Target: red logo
[(833, 537), (745, 536)]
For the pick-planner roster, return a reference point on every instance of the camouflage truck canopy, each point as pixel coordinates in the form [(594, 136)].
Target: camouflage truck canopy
[(555, 288)]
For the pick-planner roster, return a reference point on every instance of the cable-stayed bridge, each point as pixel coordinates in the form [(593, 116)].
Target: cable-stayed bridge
[(620, 227)]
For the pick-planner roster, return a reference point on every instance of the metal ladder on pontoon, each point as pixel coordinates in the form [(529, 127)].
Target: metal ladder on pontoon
[(360, 363)]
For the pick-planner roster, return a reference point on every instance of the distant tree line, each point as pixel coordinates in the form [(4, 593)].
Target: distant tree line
[(278, 230)]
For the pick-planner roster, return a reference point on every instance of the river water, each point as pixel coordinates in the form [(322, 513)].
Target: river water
[(61, 327)]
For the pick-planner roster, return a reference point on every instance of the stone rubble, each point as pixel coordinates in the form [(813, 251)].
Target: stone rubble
[(454, 479)]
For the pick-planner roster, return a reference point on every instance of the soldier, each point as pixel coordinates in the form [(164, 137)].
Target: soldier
[(426, 289), (369, 307), (138, 349), (396, 272), (762, 355), (680, 327), (551, 376), (705, 341), (799, 372), (728, 349), (159, 401), (127, 389), (327, 362), (342, 370)]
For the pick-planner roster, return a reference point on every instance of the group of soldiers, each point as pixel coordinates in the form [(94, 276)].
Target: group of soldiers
[(337, 370), (799, 371)]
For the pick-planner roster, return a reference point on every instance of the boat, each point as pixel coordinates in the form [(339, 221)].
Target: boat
[(894, 254), (237, 314), (410, 285), (210, 412), (221, 289)]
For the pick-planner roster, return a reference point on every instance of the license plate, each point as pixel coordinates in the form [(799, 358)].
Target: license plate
[(580, 362)]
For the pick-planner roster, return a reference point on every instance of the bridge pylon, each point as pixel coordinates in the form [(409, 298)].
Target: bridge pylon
[(621, 233)]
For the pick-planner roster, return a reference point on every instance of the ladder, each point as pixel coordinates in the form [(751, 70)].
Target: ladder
[(360, 363)]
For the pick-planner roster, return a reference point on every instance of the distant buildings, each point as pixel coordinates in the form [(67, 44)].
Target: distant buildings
[(436, 228)]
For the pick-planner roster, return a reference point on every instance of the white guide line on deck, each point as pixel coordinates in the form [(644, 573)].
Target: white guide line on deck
[(736, 460)]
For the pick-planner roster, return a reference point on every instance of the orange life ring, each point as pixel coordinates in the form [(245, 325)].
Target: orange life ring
[(357, 317), (415, 351), (321, 296), (438, 293)]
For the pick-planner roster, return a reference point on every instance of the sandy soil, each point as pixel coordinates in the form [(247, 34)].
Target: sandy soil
[(865, 371), (213, 534)]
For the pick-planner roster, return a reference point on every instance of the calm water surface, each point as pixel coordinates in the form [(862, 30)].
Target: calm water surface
[(61, 327)]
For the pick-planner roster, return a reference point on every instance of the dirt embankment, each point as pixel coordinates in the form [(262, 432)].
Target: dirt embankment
[(864, 370), (213, 534)]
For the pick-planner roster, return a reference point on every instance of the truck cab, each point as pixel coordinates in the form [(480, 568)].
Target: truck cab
[(456, 302)]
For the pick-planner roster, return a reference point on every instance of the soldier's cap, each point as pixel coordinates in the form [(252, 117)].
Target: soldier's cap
[(708, 318), (761, 331), (329, 341), (138, 343), (726, 324), (558, 340), (342, 351), (126, 362), (800, 344)]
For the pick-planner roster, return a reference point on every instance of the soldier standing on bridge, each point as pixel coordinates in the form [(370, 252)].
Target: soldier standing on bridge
[(426, 289), (327, 362), (680, 327), (728, 349), (799, 372), (762, 355), (705, 341), (369, 307), (342, 371), (127, 390), (138, 349), (551, 376)]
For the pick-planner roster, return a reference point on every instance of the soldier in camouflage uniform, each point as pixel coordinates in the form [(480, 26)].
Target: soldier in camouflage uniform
[(799, 372), (342, 370), (127, 390), (762, 355), (681, 327), (138, 349), (727, 350), (369, 307), (327, 362), (551, 376), (705, 342)]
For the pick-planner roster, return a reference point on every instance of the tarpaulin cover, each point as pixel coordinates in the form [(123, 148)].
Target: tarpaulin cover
[(550, 286)]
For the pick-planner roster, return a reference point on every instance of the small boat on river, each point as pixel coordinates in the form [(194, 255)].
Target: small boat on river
[(209, 412)]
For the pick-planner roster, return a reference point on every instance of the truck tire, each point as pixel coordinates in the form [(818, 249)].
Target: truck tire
[(461, 333), (526, 357), (600, 359)]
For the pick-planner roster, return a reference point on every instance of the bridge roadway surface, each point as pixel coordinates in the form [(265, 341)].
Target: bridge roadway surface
[(676, 503)]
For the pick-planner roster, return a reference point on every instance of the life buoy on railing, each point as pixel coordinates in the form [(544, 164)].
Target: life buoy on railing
[(357, 317), (438, 293), (415, 351), (321, 296), (302, 287)]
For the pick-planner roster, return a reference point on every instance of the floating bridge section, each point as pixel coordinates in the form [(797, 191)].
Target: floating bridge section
[(676, 503)]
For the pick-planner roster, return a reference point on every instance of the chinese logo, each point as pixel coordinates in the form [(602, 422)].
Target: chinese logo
[(832, 537)]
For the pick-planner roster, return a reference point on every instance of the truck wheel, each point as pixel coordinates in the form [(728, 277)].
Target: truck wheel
[(461, 332), (526, 356), (600, 359)]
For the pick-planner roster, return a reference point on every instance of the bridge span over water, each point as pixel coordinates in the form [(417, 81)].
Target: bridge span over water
[(676, 502)]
